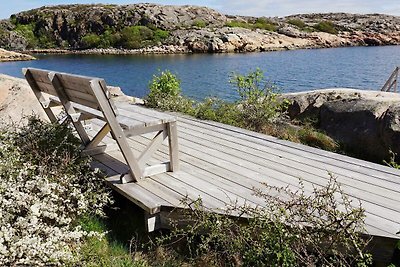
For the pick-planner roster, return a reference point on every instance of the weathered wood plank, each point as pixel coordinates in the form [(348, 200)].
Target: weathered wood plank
[(324, 157), (146, 111), (281, 164), (109, 114)]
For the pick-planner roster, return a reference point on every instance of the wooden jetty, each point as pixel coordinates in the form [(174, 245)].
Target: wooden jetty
[(218, 163)]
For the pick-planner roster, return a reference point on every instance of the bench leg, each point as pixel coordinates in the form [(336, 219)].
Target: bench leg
[(173, 146)]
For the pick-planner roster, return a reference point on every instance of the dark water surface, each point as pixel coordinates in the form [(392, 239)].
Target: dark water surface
[(205, 75)]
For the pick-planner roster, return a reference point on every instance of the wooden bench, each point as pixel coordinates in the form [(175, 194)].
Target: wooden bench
[(86, 98)]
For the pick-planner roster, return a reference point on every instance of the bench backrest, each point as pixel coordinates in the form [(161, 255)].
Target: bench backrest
[(75, 88)]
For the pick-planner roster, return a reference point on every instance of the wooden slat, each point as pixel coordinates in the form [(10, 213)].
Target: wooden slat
[(146, 111), (76, 82), (46, 87), (38, 94)]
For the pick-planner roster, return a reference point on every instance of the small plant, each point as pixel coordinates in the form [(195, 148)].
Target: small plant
[(326, 26), (293, 228), (392, 161)]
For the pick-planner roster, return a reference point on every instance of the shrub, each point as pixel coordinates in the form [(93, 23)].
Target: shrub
[(165, 89), (160, 35), (91, 40), (259, 104), (265, 24), (199, 23), (134, 37), (45, 187), (326, 26), (297, 22), (293, 228)]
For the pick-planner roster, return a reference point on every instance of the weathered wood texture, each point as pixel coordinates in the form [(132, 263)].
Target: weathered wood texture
[(86, 97), (223, 164)]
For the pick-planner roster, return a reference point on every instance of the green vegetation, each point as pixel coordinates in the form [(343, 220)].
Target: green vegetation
[(199, 23), (326, 26), (258, 108), (297, 22), (91, 40), (278, 234), (260, 23), (27, 32), (131, 37)]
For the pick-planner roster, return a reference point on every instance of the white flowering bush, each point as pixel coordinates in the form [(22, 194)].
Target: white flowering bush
[(45, 187)]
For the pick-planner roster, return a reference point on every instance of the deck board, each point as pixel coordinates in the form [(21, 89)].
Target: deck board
[(222, 164)]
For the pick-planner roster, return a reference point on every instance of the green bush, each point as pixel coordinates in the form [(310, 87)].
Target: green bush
[(165, 89), (91, 40), (326, 26), (259, 104), (297, 22), (281, 233), (135, 37), (160, 35), (199, 23)]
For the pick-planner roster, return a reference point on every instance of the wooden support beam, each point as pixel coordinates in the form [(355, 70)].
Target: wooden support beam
[(156, 169), (99, 136), (109, 115), (152, 147), (173, 146)]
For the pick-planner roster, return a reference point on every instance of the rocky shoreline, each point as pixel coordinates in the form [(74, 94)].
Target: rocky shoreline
[(186, 29), (6, 56)]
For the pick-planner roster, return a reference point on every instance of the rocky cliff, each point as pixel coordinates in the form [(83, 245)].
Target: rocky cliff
[(188, 29)]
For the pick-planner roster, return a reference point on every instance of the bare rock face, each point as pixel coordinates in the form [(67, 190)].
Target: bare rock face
[(17, 100), (366, 122)]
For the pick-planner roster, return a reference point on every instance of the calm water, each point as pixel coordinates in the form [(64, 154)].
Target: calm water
[(208, 74)]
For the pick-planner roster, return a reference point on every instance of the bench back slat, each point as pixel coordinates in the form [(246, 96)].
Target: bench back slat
[(77, 88)]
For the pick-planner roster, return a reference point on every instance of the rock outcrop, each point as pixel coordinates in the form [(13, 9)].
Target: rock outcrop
[(365, 122), (194, 29), (17, 100), (13, 56)]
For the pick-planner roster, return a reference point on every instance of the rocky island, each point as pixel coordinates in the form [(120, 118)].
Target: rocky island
[(151, 28)]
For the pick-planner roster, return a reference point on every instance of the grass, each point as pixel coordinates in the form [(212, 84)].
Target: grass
[(124, 221)]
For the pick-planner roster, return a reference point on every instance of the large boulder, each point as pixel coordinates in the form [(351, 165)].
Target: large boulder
[(365, 122)]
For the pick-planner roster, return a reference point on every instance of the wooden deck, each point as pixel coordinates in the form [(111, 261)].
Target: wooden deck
[(222, 164)]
